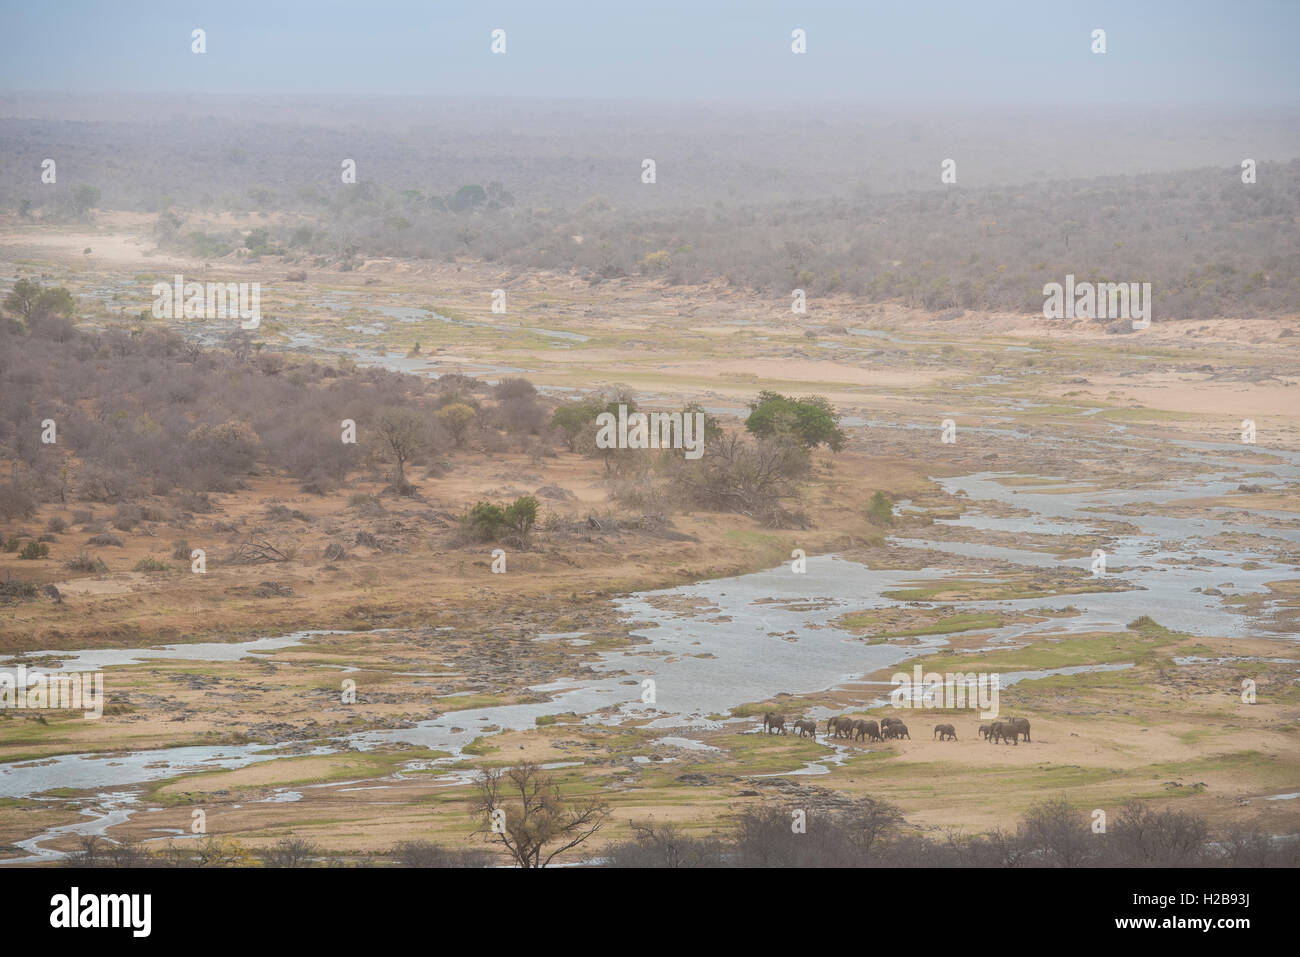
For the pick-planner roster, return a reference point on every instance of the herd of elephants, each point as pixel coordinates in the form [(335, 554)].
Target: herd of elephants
[(1008, 732)]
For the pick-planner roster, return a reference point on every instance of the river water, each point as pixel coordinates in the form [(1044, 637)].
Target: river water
[(713, 645)]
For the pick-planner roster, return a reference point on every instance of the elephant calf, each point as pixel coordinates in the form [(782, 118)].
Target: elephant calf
[(810, 727), (985, 729), (774, 722), (945, 732)]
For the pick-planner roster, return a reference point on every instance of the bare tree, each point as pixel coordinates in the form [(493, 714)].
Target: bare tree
[(867, 822), (291, 851), (403, 431), (1060, 832), (523, 810)]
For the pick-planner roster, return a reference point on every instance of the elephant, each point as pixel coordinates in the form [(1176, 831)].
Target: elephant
[(810, 727), (841, 727), (945, 732), (1004, 731), (772, 721), (984, 731), (865, 729), (897, 730), (887, 722), (869, 729), (1021, 725)]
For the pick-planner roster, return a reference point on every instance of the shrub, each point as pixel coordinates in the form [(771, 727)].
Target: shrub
[(521, 515), (96, 484), (127, 517), (367, 505), (150, 565), (490, 520), (514, 388), (291, 851), (14, 589), (15, 501), (487, 519), (740, 476), (84, 563), (456, 418), (181, 550), (880, 511), (56, 524), (199, 502), (34, 550), (428, 854), (105, 539)]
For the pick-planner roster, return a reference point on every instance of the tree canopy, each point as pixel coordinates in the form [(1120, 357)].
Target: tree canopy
[(811, 420)]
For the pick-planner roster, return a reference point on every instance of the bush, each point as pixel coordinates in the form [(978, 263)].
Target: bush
[(181, 550), (1143, 837), (514, 388), (428, 854), (14, 589), (456, 418), (16, 501), (84, 563), (521, 515), (490, 520), (127, 517), (96, 484), (199, 502), (151, 565), (291, 851), (880, 511), (738, 476), (104, 540), (56, 524), (34, 550)]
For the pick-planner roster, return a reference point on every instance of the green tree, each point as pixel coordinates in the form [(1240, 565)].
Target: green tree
[(21, 301), (29, 300), (574, 418), (880, 511), (811, 420)]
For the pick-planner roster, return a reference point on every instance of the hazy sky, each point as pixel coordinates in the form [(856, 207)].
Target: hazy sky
[(1164, 51)]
